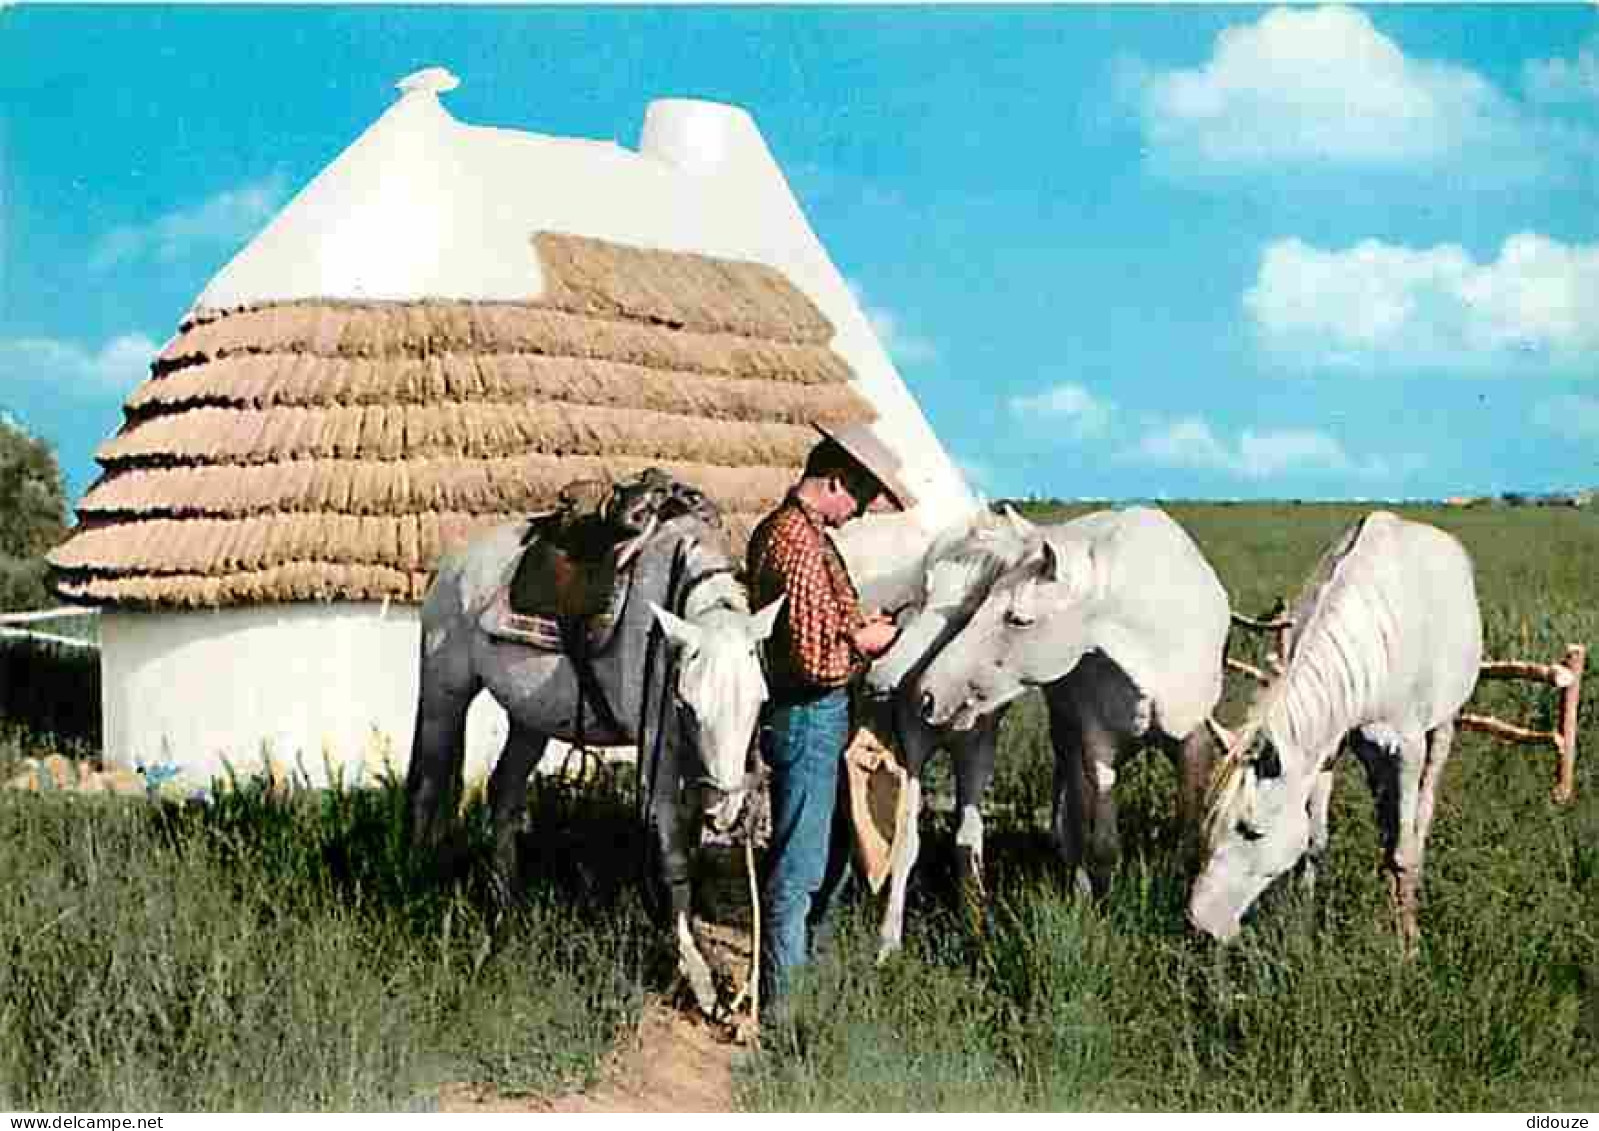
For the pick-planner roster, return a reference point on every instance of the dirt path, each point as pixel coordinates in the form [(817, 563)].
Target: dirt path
[(674, 1062)]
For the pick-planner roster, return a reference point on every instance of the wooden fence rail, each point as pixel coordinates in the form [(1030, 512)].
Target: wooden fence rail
[(1565, 675)]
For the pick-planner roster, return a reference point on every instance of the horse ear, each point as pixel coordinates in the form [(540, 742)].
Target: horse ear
[(764, 621), (1024, 529), (678, 630), (1049, 564)]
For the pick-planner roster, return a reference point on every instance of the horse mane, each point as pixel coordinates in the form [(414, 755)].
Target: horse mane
[(710, 572), (982, 551), (1338, 651)]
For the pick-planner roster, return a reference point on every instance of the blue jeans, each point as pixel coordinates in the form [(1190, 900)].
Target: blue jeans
[(807, 856)]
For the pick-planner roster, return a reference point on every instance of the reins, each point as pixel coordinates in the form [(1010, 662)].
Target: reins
[(648, 761)]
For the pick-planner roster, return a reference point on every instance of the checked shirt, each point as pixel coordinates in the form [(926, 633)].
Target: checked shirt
[(790, 554)]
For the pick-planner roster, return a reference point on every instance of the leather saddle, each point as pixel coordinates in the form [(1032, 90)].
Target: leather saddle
[(569, 587)]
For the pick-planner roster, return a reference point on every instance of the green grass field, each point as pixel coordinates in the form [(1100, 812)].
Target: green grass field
[(284, 954), (271, 954)]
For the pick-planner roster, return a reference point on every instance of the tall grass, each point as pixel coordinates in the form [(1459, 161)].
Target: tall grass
[(286, 953), (1065, 1004)]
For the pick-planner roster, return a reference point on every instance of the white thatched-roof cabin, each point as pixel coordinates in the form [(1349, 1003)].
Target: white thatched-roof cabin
[(444, 327)]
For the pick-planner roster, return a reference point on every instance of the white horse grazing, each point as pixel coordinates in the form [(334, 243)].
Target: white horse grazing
[(1387, 642), (694, 731), (1123, 623)]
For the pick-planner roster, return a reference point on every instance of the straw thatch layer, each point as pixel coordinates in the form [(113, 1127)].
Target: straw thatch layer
[(307, 580), (311, 381), (510, 485), (217, 546), (414, 330), (300, 581), (320, 450), (473, 430), (294, 581), (691, 292)]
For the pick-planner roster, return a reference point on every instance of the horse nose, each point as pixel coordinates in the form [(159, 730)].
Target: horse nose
[(929, 705)]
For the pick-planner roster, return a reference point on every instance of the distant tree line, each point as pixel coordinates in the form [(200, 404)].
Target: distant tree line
[(33, 516)]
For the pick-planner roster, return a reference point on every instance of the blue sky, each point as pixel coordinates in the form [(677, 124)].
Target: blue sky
[(1132, 251)]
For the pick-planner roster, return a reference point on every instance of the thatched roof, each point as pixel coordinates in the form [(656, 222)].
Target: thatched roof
[(333, 450)]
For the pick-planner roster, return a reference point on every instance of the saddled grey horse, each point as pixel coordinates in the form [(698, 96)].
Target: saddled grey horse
[(694, 731), (1386, 647), (1121, 621)]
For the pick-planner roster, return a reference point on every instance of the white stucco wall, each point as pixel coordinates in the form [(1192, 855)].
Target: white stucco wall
[(294, 685)]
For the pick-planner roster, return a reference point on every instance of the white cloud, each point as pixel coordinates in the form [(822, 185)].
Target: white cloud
[(69, 369), (904, 345), (1324, 85), (1570, 417), (1189, 442), (1381, 306), (1564, 80), (1068, 409), (228, 218)]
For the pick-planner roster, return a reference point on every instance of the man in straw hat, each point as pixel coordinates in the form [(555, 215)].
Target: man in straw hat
[(822, 642)]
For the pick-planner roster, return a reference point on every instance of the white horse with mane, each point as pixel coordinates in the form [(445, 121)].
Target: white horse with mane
[(1386, 645), (1122, 622)]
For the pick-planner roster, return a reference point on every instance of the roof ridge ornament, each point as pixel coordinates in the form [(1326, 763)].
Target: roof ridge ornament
[(432, 80)]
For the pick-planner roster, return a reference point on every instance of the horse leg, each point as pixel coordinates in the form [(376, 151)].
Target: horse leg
[(1193, 759), (1102, 844), (671, 837), (974, 771), (508, 806), (1423, 762), (891, 933), (1393, 767), (1439, 742), (1406, 866), (438, 744), (916, 742), (1318, 804), (1068, 818)]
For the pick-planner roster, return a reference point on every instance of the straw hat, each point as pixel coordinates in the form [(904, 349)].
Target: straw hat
[(866, 448)]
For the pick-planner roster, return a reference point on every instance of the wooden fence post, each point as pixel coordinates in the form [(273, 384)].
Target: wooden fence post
[(1576, 659)]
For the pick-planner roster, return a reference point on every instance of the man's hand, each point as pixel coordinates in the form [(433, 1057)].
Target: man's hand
[(876, 636)]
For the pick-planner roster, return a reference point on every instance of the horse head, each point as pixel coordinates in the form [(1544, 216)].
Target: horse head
[(1256, 827), (959, 568), (719, 691), (1028, 629)]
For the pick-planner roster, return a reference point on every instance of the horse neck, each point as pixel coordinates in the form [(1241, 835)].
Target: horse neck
[(681, 547), (1335, 673), (884, 555)]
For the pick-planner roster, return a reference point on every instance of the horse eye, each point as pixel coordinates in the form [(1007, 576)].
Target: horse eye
[(1268, 765), (1248, 831), (1018, 618)]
